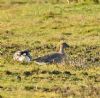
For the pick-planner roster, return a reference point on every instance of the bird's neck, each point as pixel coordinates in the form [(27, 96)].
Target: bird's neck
[(61, 50)]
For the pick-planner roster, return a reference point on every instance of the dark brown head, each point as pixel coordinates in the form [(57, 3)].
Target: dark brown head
[(64, 45)]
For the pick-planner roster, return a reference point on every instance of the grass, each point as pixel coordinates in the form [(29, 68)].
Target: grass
[(40, 27)]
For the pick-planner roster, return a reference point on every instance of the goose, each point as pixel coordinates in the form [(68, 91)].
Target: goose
[(22, 56), (53, 58)]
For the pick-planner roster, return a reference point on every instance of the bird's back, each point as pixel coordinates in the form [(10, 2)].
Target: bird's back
[(50, 58)]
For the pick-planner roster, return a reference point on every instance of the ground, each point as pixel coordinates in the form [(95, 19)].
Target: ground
[(40, 27)]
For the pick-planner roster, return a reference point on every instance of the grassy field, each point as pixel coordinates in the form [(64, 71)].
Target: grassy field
[(40, 27)]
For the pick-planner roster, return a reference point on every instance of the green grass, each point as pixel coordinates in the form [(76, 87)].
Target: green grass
[(41, 27)]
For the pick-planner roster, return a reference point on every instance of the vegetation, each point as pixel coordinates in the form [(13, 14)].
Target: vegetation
[(40, 26)]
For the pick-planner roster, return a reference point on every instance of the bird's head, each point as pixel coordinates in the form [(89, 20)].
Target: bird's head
[(64, 45)]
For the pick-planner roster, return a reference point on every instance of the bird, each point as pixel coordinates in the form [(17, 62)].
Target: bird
[(53, 58), (22, 56)]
